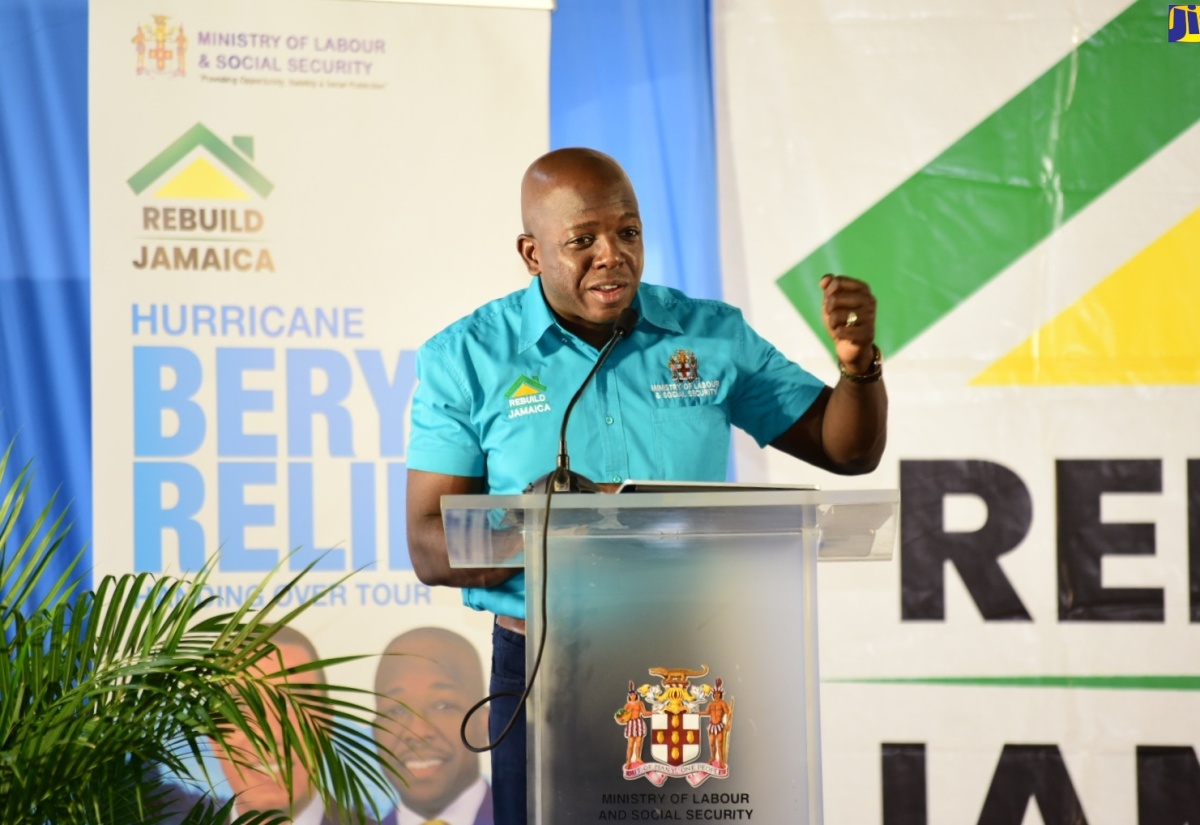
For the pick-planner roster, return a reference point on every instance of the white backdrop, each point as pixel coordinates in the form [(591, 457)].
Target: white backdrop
[(1080, 350), (281, 214), (375, 189)]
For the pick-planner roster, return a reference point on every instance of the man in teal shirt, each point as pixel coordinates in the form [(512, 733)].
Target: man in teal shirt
[(493, 388)]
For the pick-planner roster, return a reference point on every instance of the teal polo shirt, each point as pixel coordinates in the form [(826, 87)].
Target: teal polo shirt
[(493, 386)]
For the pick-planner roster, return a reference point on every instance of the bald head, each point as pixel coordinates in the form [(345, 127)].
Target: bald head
[(296, 649), (448, 650), (570, 168), (426, 681), (582, 239)]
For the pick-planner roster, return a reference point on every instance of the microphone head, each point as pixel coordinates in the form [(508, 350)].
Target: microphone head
[(625, 322)]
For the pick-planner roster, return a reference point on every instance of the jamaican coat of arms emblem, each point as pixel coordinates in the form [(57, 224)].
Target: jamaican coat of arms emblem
[(675, 709), (683, 366)]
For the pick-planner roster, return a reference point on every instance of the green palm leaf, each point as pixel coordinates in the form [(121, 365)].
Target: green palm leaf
[(103, 690)]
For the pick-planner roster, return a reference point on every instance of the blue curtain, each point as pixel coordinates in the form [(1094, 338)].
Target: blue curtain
[(633, 79), (45, 324)]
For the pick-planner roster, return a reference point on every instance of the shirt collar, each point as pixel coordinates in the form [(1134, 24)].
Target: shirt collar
[(657, 307), (462, 811), (654, 306), (311, 814), (536, 316)]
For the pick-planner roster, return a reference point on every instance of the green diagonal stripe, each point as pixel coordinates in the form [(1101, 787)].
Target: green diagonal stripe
[(1181, 683), (1010, 182)]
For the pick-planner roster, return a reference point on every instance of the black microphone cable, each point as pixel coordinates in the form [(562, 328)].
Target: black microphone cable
[(557, 481)]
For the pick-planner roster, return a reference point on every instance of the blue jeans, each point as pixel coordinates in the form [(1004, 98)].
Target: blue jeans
[(509, 782)]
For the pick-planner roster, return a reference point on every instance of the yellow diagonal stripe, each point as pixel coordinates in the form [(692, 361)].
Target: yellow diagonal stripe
[(200, 180), (1139, 326)]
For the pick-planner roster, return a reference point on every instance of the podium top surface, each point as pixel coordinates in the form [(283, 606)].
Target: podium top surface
[(496, 531)]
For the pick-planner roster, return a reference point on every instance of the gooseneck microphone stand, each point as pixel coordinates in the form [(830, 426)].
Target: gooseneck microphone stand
[(559, 480)]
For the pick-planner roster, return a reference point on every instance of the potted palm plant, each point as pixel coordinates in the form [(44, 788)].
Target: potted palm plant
[(106, 691)]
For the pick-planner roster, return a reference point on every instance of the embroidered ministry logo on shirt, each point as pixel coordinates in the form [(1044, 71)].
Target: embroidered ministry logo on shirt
[(685, 379), (526, 396), (683, 366)]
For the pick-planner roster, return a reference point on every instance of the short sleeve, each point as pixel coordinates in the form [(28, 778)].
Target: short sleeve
[(442, 438), (773, 392)]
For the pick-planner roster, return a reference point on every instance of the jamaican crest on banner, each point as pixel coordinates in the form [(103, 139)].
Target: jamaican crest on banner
[(683, 721), (161, 48)]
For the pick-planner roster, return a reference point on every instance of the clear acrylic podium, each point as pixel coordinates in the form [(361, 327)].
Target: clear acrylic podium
[(679, 680)]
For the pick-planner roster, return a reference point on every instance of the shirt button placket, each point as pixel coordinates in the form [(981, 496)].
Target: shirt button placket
[(615, 460)]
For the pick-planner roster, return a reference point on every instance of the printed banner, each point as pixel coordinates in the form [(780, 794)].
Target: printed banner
[(1016, 180), (287, 198)]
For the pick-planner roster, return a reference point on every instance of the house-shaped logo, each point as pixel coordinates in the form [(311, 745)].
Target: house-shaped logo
[(526, 396), (201, 166), (199, 209), (524, 387)]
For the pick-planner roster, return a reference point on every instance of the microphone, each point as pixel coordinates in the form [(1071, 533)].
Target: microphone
[(562, 480)]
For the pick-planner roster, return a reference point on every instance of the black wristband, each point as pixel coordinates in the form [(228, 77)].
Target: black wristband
[(871, 375)]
